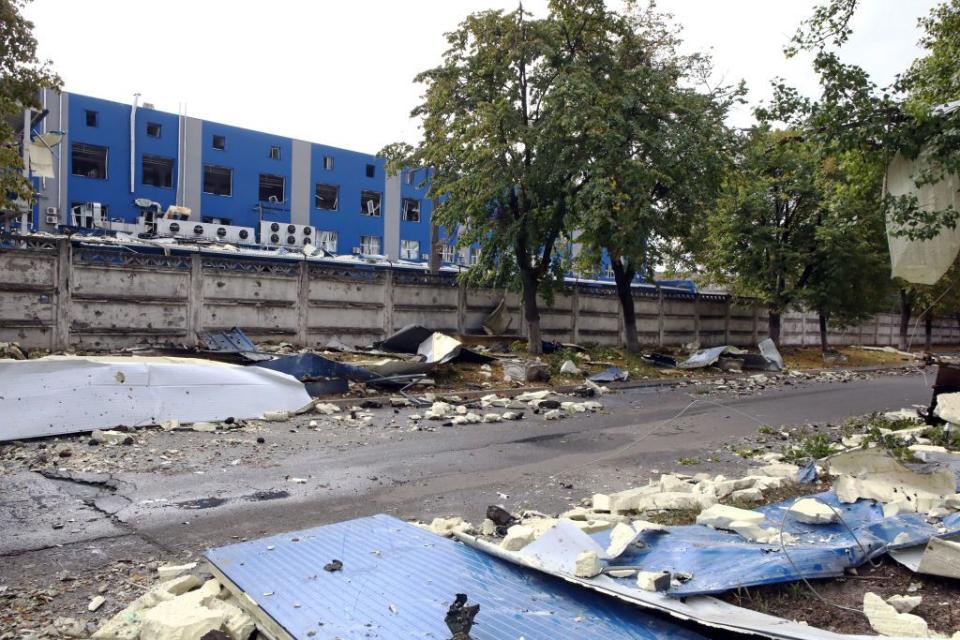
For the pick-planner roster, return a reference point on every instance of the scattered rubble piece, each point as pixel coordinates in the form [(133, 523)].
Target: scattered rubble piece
[(326, 408), (499, 321), (152, 391), (721, 516), (96, 603), (887, 621), (610, 374), (769, 351), (518, 536), (904, 604), (204, 426), (939, 557), (525, 371), (621, 536), (587, 564), (168, 571), (569, 368), (111, 437), (653, 580), (12, 351), (812, 511), (446, 526), (873, 475)]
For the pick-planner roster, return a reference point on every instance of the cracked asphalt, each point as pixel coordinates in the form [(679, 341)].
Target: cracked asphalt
[(70, 517)]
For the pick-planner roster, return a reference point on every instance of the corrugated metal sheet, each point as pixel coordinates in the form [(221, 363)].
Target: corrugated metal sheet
[(397, 582)]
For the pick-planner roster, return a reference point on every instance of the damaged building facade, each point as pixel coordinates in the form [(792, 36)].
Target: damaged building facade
[(121, 167)]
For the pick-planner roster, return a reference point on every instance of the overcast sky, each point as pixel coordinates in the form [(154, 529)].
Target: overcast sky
[(340, 73)]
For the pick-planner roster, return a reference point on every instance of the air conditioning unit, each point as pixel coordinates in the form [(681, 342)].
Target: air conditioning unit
[(284, 234), (53, 211), (205, 231), (53, 215)]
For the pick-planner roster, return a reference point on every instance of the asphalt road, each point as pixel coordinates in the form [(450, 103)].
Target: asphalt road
[(227, 488)]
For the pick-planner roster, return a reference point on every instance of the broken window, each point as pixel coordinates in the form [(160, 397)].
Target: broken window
[(447, 253), (411, 210), (370, 245), (328, 163), (219, 142), (92, 118), (409, 250), (213, 220), (327, 240), (157, 171), (89, 161), (370, 203), (371, 170), (409, 177), (271, 188), (217, 180), (474, 255), (88, 214), (327, 197), (153, 129), (274, 153)]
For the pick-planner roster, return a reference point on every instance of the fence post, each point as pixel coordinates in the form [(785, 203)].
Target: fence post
[(61, 332), (303, 304), (387, 302), (575, 315), (756, 323), (660, 321), (195, 299), (696, 318), (876, 330), (726, 324), (461, 307)]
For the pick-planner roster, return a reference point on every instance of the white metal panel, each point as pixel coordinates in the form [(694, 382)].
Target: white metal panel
[(69, 394)]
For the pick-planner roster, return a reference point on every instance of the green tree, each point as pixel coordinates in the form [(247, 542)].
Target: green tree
[(849, 281), (654, 148), (762, 237), (906, 117), (503, 145), (22, 77)]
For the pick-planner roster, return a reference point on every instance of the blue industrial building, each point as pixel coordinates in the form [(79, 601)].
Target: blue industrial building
[(224, 175), (219, 174)]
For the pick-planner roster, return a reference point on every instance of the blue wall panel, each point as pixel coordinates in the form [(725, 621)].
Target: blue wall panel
[(246, 153), (349, 174)]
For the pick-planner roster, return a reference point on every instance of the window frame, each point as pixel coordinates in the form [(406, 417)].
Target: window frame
[(405, 252), (260, 187), (275, 148), (370, 170), (106, 160), (404, 210), (158, 128), (336, 199), (153, 158), (322, 240), (213, 142), (203, 180), (367, 238), (327, 163), (378, 209), (93, 114)]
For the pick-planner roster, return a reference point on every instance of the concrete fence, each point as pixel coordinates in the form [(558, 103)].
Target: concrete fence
[(57, 294)]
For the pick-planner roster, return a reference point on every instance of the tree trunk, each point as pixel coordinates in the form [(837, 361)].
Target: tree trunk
[(824, 344), (435, 249), (928, 331), (773, 325), (906, 310), (531, 312), (624, 279)]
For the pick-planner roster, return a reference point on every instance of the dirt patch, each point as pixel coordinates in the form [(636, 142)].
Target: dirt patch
[(795, 601)]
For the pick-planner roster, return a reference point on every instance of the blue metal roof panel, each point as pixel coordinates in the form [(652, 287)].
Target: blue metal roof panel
[(398, 581)]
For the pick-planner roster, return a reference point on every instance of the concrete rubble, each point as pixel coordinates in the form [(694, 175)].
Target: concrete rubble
[(184, 608)]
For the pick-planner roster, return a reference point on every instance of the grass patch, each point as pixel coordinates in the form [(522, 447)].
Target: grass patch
[(688, 461), (766, 430)]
